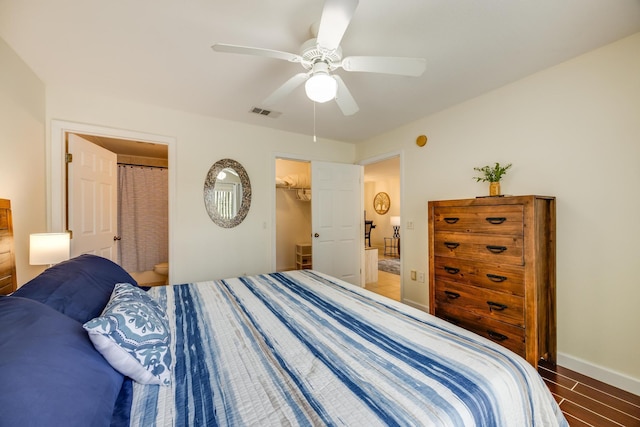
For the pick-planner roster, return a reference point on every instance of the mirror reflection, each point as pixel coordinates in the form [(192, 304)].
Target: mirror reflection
[(227, 193)]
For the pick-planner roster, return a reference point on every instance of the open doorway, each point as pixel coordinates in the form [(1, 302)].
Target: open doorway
[(382, 200), (142, 207), (320, 230), (293, 215), (138, 236), (58, 198)]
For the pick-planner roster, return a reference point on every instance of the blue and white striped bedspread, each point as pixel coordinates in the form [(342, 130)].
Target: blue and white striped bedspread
[(302, 348)]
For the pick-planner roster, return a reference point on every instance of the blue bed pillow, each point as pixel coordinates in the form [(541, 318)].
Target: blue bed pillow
[(133, 336), (50, 373), (79, 287)]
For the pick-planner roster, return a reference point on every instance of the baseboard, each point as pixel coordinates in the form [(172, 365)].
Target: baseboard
[(416, 305), (616, 379)]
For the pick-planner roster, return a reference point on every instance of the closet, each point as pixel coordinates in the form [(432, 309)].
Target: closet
[(293, 215)]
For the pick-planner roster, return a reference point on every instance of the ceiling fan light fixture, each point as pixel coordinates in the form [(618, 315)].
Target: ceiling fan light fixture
[(321, 87)]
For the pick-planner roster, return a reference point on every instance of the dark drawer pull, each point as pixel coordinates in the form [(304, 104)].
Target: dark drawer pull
[(451, 220), (452, 245), (496, 336), (496, 306), (452, 295), (451, 270), (495, 249), (496, 278), (495, 219)]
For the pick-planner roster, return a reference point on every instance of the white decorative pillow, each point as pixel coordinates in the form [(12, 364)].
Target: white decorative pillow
[(132, 334)]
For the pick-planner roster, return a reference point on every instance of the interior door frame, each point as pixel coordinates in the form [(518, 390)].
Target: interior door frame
[(379, 158), (56, 182)]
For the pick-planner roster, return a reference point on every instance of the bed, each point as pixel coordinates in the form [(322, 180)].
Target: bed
[(291, 348)]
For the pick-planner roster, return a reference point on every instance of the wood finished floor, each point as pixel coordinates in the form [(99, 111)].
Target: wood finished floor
[(387, 285), (589, 402), (583, 400)]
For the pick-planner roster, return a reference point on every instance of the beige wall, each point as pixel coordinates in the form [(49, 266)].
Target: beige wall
[(572, 131), (22, 161)]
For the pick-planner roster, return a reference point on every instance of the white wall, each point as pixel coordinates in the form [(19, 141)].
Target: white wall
[(572, 131), (201, 250), (22, 161)]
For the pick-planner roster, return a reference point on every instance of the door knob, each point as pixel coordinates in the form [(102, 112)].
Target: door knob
[(116, 238), (316, 235)]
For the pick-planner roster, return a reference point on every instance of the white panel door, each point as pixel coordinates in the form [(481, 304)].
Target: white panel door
[(336, 220), (93, 199)]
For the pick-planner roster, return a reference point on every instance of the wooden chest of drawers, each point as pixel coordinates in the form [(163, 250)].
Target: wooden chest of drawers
[(492, 270), (7, 261)]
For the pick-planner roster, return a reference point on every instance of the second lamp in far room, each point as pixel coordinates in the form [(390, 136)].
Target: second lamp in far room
[(395, 223)]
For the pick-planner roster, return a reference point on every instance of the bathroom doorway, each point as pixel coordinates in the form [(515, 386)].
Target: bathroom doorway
[(142, 206)]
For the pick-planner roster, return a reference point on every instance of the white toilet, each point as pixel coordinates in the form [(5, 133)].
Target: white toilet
[(163, 270)]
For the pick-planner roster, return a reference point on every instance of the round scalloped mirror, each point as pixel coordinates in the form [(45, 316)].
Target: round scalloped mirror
[(227, 193)]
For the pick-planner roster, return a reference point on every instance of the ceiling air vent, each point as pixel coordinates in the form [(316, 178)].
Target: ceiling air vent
[(263, 112)]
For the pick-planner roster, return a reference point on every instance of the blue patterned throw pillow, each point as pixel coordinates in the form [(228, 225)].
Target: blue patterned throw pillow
[(132, 334)]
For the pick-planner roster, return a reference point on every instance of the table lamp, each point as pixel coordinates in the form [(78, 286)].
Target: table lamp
[(395, 222), (48, 248)]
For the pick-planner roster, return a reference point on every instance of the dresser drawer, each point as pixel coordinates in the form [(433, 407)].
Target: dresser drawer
[(499, 277), (483, 302), (6, 266), (502, 219), (6, 284), (480, 247), (509, 336), (4, 219), (6, 242)]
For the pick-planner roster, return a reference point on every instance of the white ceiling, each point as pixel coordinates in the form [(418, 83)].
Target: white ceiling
[(159, 52)]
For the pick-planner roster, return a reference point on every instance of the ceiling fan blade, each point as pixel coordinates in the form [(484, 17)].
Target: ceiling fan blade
[(385, 64), (336, 16), (285, 89), (269, 53), (345, 101)]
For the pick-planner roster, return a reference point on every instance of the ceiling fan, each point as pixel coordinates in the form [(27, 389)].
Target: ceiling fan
[(322, 55)]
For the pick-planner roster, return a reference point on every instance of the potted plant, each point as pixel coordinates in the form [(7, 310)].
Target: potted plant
[(492, 175)]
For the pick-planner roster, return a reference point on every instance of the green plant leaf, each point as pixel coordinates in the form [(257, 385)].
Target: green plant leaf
[(491, 173)]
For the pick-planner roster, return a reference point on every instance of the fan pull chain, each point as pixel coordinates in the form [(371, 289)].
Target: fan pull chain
[(314, 123)]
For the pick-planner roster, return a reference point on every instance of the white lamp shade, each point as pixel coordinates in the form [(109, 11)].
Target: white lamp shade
[(321, 87), (48, 248), (395, 221)]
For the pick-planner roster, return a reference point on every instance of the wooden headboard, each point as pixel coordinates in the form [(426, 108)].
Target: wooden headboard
[(8, 281)]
